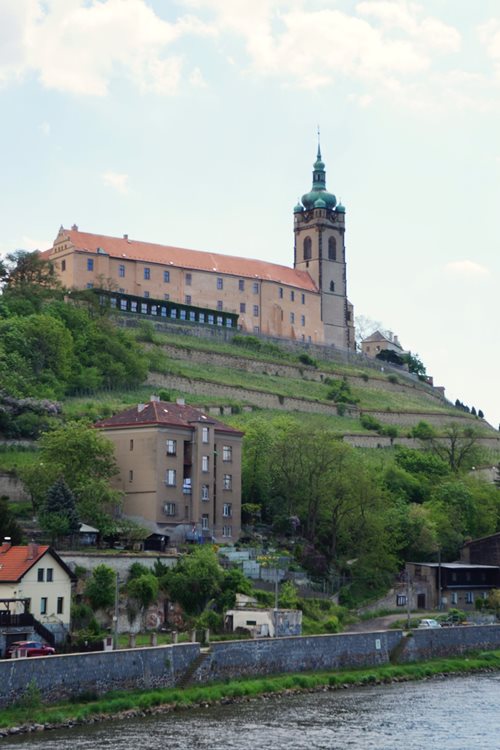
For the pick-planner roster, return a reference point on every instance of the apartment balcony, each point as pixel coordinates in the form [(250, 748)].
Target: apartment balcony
[(186, 487)]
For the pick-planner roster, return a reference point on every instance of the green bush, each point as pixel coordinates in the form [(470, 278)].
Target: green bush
[(306, 359), (370, 423)]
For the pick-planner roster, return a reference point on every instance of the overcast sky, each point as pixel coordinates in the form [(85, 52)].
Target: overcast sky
[(193, 123)]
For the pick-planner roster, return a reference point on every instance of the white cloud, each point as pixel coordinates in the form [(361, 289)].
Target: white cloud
[(196, 79), (117, 181), (45, 128), (466, 268), (80, 46)]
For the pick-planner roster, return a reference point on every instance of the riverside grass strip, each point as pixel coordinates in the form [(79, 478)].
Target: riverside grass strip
[(31, 715)]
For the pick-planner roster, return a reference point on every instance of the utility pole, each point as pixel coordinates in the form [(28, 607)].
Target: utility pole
[(115, 617), (408, 602)]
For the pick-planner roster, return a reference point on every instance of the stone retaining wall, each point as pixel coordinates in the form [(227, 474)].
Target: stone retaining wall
[(60, 677)]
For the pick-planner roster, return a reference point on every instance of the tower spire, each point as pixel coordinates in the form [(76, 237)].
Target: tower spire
[(319, 144)]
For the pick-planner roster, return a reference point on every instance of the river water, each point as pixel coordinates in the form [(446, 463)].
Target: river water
[(456, 713)]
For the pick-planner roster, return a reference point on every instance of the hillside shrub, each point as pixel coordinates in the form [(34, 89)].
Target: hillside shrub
[(306, 359), (370, 423)]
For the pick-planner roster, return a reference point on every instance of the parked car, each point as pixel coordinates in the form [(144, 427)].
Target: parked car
[(429, 623), (32, 648)]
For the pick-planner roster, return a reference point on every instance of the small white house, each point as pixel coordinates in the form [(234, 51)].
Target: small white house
[(36, 574), (264, 623)]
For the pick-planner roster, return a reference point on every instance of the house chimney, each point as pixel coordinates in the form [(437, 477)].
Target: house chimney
[(125, 236), (7, 544), (32, 550), (140, 407)]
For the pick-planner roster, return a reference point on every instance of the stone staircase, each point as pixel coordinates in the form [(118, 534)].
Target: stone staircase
[(196, 668)]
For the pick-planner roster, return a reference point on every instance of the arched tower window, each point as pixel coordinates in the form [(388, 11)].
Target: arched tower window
[(307, 248), (332, 248)]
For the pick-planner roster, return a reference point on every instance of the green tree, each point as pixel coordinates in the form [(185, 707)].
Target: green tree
[(142, 591), (101, 587), (59, 516), (289, 595), (29, 280), (456, 446), (195, 580)]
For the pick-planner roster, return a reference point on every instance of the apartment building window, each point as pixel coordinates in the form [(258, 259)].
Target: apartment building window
[(292, 296), (90, 264), (243, 307), (204, 464), (454, 597), (303, 299), (171, 447), (219, 304), (169, 509), (227, 531), (144, 308), (256, 311), (292, 317), (50, 575), (130, 475), (219, 320), (123, 302), (220, 283), (60, 605), (63, 265), (166, 277), (241, 285), (280, 292), (204, 522), (255, 287), (133, 306), (170, 477), (302, 320), (187, 299), (147, 274), (43, 605), (202, 317), (469, 597), (228, 481), (227, 510), (40, 575), (173, 313), (211, 319), (189, 279), (121, 271), (227, 453), (204, 493), (205, 435)]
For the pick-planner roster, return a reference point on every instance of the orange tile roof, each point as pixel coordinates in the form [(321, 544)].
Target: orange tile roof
[(16, 561), (164, 413), (148, 252)]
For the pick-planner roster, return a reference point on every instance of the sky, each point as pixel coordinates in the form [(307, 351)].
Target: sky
[(194, 123)]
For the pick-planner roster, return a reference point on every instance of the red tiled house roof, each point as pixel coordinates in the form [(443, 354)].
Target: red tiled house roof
[(16, 561), (163, 413), (149, 252)]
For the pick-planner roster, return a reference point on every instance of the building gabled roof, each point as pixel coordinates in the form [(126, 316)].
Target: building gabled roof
[(16, 561), (197, 260), (378, 336), (163, 413)]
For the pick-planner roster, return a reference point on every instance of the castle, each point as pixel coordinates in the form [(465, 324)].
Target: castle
[(306, 303)]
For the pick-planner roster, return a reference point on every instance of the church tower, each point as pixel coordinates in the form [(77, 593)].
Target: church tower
[(319, 227)]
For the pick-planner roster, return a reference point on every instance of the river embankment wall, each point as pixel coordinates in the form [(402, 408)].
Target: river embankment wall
[(66, 676)]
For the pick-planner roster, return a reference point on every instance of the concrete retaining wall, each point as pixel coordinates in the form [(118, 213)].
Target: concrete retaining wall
[(120, 562), (60, 677)]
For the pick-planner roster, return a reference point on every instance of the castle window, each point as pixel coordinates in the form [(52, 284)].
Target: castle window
[(256, 311), (90, 285), (121, 270), (219, 304), (241, 285), (292, 317), (292, 296), (332, 248), (63, 265), (281, 292), (307, 248), (166, 277), (303, 299), (90, 264), (243, 307), (166, 296), (147, 273), (220, 283), (256, 329), (146, 294), (189, 279), (302, 320), (187, 299), (332, 286), (255, 287)]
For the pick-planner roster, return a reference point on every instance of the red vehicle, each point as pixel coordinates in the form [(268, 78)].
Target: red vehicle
[(30, 648)]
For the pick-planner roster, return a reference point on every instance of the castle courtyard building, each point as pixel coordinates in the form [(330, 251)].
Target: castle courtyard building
[(305, 303)]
